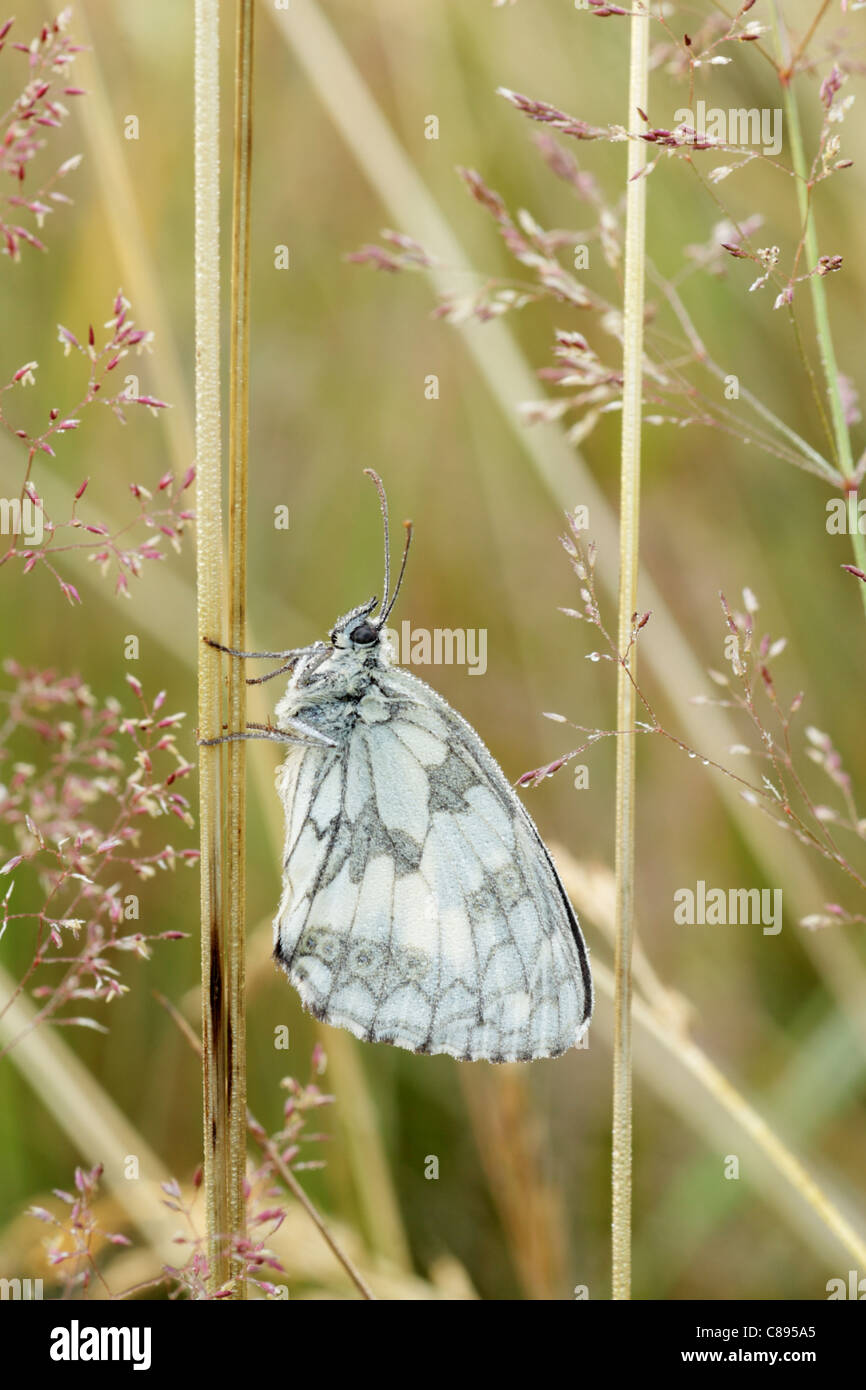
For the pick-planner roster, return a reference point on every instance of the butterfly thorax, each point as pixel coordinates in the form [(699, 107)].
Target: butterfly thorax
[(330, 694)]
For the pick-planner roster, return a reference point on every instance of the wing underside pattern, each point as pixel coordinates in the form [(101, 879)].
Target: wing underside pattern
[(419, 905)]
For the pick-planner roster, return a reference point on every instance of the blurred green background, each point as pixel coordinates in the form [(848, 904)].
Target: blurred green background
[(339, 360)]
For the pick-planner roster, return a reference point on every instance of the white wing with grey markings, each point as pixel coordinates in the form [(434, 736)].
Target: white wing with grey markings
[(420, 906)]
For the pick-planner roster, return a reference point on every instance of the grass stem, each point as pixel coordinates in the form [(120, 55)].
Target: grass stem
[(817, 289), (235, 799), (208, 438), (633, 323)]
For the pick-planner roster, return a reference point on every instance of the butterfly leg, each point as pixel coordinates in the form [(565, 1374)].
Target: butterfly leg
[(319, 649), (233, 651), (260, 680), (318, 654), (296, 732)]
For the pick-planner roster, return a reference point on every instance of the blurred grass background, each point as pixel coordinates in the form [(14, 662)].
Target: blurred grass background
[(337, 383)]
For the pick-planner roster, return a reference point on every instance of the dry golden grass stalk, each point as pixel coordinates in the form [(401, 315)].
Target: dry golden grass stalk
[(217, 1156), (235, 801)]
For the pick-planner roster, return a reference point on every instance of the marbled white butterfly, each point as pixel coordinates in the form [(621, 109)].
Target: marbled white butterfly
[(420, 906)]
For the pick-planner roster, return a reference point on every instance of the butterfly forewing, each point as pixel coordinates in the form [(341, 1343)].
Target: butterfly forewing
[(420, 906)]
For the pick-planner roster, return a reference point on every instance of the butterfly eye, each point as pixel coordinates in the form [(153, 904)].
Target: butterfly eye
[(364, 634)]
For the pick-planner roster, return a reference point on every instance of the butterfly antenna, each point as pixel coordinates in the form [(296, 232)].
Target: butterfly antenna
[(383, 507), (384, 617)]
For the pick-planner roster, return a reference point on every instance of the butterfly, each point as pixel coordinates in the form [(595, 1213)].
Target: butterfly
[(420, 906)]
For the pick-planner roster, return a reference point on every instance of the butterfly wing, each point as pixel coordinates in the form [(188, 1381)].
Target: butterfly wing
[(420, 905)]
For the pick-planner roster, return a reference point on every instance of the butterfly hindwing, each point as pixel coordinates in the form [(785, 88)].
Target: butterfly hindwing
[(420, 906)]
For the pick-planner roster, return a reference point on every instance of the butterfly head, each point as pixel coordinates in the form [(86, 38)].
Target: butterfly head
[(359, 631)]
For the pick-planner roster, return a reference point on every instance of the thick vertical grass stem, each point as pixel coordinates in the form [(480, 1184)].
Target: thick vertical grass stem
[(208, 444), (633, 314), (235, 801)]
